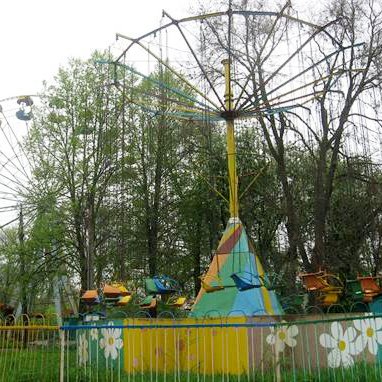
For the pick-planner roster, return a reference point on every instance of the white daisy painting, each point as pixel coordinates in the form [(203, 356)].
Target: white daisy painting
[(111, 341), (370, 334), (83, 353), (283, 335), (94, 334), (340, 344)]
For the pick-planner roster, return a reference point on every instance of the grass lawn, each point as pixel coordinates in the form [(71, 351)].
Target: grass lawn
[(42, 365)]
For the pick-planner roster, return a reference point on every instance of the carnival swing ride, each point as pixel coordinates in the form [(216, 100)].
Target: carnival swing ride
[(237, 68)]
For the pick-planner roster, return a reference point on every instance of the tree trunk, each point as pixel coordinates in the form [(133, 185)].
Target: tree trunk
[(320, 209), (196, 257), (90, 244)]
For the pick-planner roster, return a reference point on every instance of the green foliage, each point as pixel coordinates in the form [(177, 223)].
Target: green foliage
[(122, 188)]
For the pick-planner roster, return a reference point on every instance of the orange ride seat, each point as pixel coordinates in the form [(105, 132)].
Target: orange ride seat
[(369, 287), (90, 296), (111, 291), (313, 281)]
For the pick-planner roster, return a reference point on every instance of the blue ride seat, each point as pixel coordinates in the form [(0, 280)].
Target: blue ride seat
[(247, 280), (165, 285)]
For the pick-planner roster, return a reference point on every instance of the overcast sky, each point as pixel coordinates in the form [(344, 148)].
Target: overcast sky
[(37, 36)]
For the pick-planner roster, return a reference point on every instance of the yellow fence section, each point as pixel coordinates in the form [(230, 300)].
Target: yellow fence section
[(200, 350)]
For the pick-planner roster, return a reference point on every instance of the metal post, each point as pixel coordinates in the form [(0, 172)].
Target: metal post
[(62, 353), (231, 147)]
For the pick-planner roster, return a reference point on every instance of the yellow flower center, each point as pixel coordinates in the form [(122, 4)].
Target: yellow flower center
[(370, 332), (342, 345), (111, 341), (282, 336)]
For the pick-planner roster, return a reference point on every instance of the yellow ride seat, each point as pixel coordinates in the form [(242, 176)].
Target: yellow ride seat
[(122, 288), (211, 283), (124, 300), (177, 301)]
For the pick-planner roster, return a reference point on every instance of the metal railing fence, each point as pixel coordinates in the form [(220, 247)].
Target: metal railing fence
[(315, 347)]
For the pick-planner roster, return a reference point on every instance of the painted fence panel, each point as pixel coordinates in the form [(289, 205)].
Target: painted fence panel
[(291, 348), (302, 348), (199, 349)]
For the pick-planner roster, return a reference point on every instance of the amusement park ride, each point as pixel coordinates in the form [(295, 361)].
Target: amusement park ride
[(235, 283)]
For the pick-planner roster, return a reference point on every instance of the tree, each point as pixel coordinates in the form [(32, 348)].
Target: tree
[(72, 141), (312, 108)]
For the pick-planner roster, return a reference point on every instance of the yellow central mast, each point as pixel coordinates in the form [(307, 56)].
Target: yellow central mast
[(231, 146)]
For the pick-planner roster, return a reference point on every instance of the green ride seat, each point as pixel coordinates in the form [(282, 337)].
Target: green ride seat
[(148, 302), (162, 285), (354, 290), (151, 287)]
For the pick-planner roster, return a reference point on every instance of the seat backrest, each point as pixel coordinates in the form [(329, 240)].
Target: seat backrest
[(332, 280), (369, 285), (122, 288), (110, 291), (149, 302), (354, 287), (313, 281), (150, 287), (164, 284), (177, 301), (90, 295), (245, 281), (124, 300), (211, 287)]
